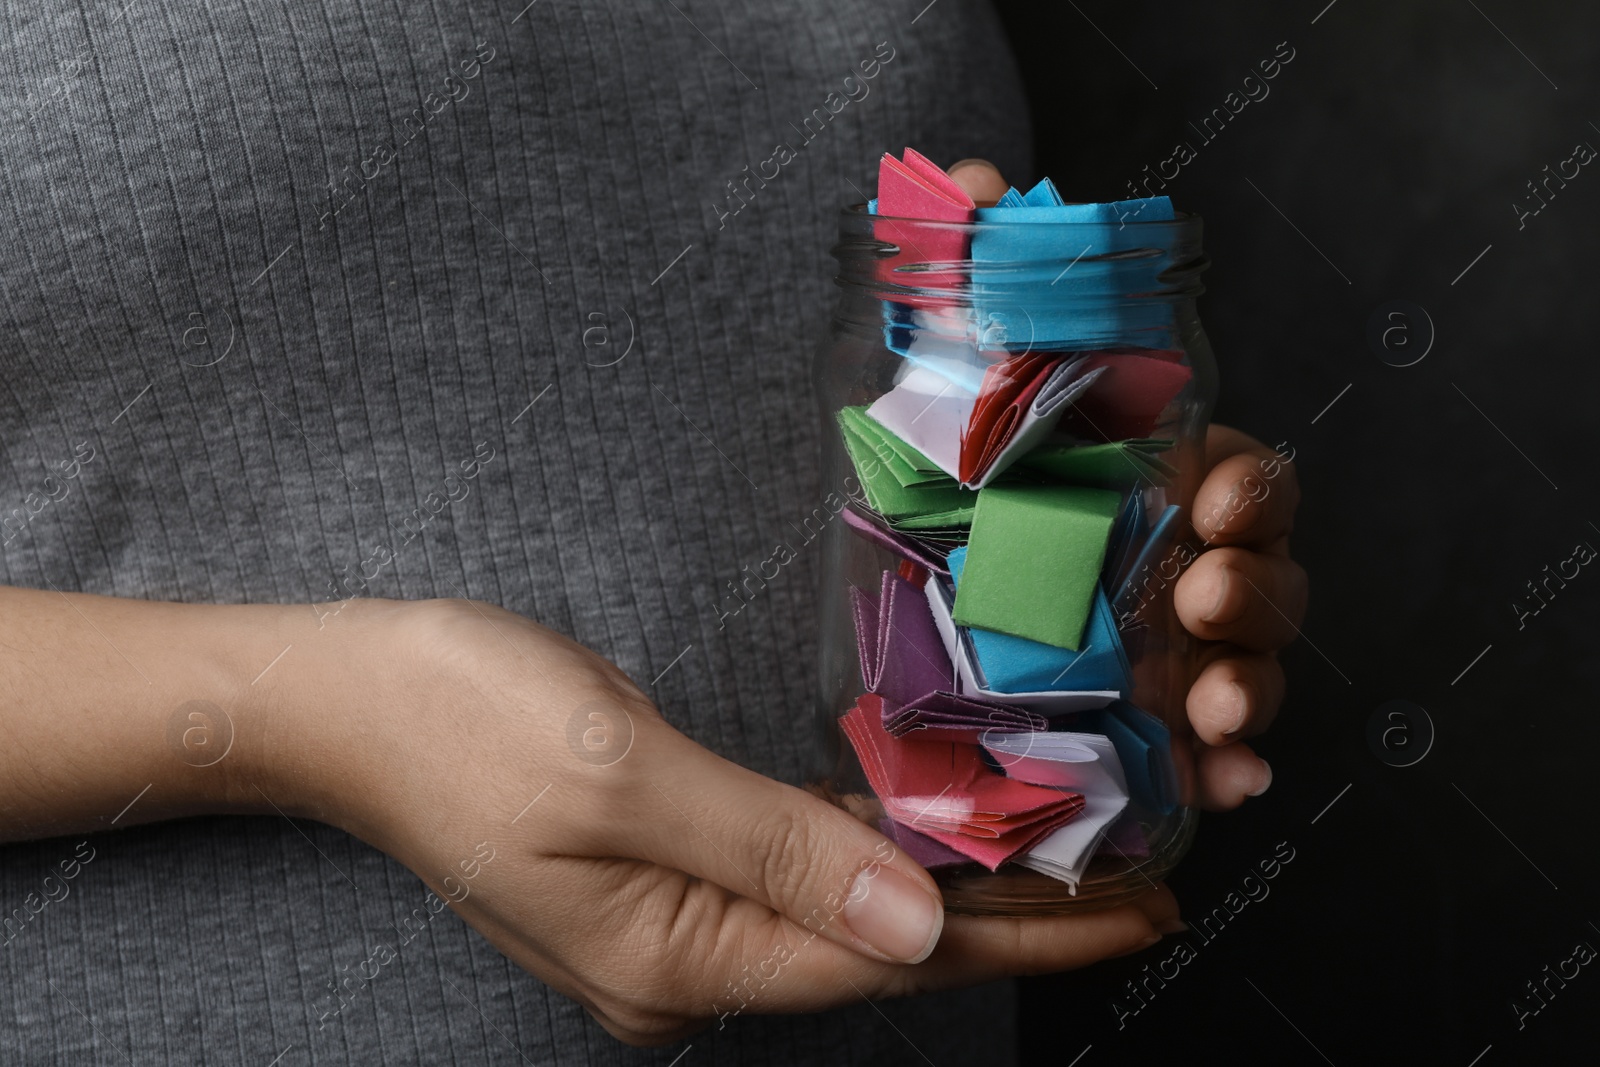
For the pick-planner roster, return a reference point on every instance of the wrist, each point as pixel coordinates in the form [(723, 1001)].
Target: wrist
[(311, 686)]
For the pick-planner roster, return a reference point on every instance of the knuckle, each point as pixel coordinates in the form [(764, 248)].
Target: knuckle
[(784, 853), (660, 978)]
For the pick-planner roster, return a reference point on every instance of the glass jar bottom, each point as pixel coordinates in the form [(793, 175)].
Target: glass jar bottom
[(1021, 893)]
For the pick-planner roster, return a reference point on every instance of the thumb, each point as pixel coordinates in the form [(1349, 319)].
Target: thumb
[(800, 856), (981, 180)]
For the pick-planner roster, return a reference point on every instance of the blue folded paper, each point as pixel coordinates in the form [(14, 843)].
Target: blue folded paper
[(1018, 665), (1148, 570), (1035, 291), (1144, 745)]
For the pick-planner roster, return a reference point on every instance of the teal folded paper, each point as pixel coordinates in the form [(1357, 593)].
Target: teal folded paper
[(1033, 561), (1038, 285), (1017, 665), (1144, 746)]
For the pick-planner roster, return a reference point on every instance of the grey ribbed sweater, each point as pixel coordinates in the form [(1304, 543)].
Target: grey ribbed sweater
[(278, 268)]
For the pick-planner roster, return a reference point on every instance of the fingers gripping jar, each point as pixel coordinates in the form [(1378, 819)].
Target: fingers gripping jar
[(1014, 421)]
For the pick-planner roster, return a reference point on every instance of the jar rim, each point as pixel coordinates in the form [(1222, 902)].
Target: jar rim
[(1182, 221)]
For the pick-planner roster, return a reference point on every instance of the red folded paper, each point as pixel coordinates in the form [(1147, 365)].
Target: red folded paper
[(945, 791), (1128, 399), (1008, 391)]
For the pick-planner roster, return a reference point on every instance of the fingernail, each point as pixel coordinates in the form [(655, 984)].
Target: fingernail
[(1228, 605), (1172, 926), (1235, 703), (1266, 780), (894, 915)]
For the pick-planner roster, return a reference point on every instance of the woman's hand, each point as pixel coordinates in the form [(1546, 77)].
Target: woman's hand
[(530, 784), (1245, 598)]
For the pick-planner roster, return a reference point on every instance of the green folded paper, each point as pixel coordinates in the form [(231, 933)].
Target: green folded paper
[(909, 466), (1117, 465), (882, 470), (949, 525), (1033, 561)]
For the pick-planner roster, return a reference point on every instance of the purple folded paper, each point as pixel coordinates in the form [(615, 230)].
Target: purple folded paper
[(946, 716), (928, 853), (902, 655), (898, 543), (1126, 838)]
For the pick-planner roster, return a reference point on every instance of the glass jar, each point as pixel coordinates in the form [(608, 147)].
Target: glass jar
[(1014, 417)]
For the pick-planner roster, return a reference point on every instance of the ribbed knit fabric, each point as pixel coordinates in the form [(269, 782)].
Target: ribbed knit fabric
[(281, 276)]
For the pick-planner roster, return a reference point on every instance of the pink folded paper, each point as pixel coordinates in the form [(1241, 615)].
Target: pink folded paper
[(902, 654), (945, 791), (919, 189)]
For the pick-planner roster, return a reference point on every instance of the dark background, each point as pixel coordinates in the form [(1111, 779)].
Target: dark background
[(1397, 141)]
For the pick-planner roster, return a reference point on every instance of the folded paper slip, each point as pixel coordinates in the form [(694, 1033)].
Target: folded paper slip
[(1062, 287), (1134, 463), (1151, 568), (1126, 838), (929, 854), (1044, 194), (1144, 747), (1007, 664), (902, 654), (900, 544), (1020, 404), (1130, 399), (1081, 762), (1084, 763), (918, 189), (1127, 536), (976, 438), (1033, 562), (1065, 854), (969, 676), (935, 504), (944, 716), (945, 791), (909, 466), (1009, 391)]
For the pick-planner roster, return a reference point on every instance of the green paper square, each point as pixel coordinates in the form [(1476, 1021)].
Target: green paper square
[(1034, 560)]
